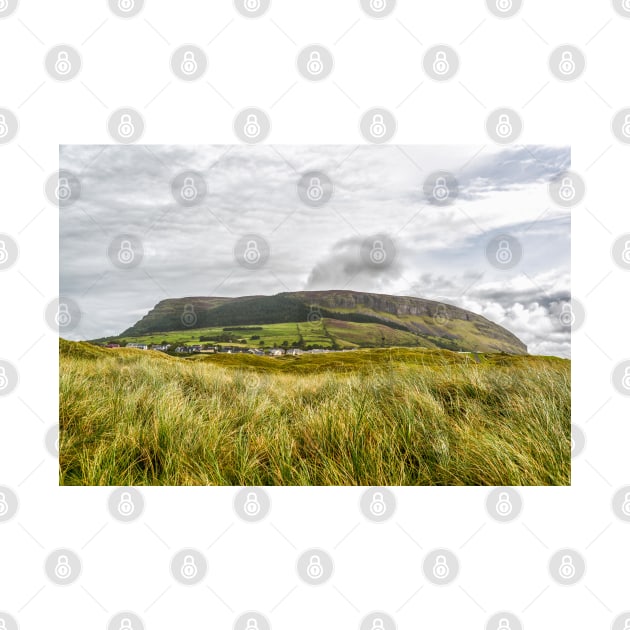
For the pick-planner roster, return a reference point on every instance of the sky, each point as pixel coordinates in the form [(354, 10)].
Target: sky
[(377, 191)]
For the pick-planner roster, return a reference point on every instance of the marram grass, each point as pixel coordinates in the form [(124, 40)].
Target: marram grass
[(369, 417)]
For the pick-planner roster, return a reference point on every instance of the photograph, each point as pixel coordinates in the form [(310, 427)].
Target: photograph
[(319, 315)]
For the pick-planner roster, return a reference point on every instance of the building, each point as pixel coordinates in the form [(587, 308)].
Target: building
[(295, 351), (138, 346)]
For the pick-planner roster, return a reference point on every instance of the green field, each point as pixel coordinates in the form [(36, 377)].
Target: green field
[(391, 416)]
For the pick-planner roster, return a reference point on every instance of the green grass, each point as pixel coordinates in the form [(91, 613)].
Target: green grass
[(394, 416)]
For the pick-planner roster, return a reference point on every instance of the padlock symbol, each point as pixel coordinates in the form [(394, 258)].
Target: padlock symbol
[(126, 128), (314, 64), (125, 624), (4, 381), (567, 317), (189, 317), (567, 63), (626, 623), (63, 570), (504, 126), (126, 255), (378, 624), (252, 126), (252, 253), (440, 63), (441, 316), (625, 506), (126, 5), (567, 189), (378, 5), (625, 128), (440, 189), (4, 128), (504, 5), (626, 378), (63, 192), (126, 506), (62, 64), (3, 7), (504, 624), (572, 444), (314, 569), (377, 127), (625, 255), (378, 255), (63, 317), (377, 504), (252, 504), (4, 506), (189, 190), (567, 568), (440, 568), (315, 191), (189, 568), (626, 7), (189, 64), (252, 5), (4, 254), (504, 504), (504, 253), (252, 624)]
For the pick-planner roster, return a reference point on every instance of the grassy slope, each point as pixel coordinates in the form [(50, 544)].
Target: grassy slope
[(371, 417)]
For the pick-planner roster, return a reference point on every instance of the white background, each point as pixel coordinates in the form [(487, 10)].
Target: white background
[(377, 63)]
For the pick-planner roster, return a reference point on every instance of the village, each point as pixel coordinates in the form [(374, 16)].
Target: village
[(215, 349)]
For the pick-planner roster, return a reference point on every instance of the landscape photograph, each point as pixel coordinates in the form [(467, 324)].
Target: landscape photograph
[(372, 315)]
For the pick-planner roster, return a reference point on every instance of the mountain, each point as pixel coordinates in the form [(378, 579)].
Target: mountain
[(348, 319)]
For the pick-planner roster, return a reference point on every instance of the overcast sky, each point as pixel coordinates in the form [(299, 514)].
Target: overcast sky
[(439, 250)]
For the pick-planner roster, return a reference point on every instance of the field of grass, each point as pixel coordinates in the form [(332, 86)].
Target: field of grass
[(395, 416)]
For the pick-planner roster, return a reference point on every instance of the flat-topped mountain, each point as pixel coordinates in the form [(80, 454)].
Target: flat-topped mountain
[(346, 318)]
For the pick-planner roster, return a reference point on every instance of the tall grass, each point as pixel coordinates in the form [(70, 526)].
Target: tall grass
[(132, 417)]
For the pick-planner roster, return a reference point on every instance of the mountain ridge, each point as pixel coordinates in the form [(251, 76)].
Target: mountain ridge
[(432, 323)]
